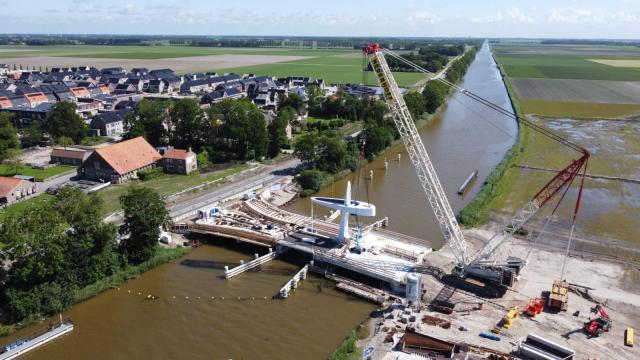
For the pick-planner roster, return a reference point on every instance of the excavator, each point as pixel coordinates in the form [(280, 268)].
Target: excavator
[(601, 324), (495, 274)]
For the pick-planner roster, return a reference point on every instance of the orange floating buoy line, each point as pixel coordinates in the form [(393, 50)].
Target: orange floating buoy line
[(149, 296)]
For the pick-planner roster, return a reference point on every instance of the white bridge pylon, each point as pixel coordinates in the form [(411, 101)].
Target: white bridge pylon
[(346, 207)]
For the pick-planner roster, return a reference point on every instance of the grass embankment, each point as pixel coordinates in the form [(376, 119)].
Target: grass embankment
[(501, 178), (162, 255), (38, 174), (166, 184), (348, 349)]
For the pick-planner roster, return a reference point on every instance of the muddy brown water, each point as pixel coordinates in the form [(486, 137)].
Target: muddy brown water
[(464, 137), (316, 318)]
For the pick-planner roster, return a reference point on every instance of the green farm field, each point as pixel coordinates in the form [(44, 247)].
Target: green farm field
[(566, 67), (333, 65), (156, 52)]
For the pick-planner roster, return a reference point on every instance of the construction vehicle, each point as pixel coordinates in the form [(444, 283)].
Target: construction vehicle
[(535, 307), (559, 296), (510, 317), (496, 273), (601, 324)]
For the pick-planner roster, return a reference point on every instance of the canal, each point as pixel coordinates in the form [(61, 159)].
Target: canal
[(465, 136), (120, 324)]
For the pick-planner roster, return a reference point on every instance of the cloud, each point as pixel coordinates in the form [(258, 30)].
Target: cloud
[(512, 15), (422, 17), (595, 15)]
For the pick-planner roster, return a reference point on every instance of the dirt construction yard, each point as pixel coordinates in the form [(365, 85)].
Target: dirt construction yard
[(615, 285), (179, 65), (598, 91)]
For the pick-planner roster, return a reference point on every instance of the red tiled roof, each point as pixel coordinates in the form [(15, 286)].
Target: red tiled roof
[(80, 91), (5, 102), (36, 97), (7, 185), (177, 154), (129, 155), (68, 153)]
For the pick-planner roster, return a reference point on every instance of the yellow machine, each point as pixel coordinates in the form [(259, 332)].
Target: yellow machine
[(510, 317), (628, 337)]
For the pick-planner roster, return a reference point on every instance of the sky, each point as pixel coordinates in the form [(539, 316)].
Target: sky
[(611, 19)]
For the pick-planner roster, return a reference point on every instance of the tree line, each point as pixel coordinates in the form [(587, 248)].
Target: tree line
[(228, 130), (63, 246)]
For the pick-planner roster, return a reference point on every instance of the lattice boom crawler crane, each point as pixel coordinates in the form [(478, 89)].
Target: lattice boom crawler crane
[(502, 273)]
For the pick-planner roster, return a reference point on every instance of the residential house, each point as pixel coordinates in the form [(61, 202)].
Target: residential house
[(177, 161), (68, 156), (113, 71), (120, 162), (109, 123), (4, 69), (80, 92), (13, 189), (156, 86), (125, 89)]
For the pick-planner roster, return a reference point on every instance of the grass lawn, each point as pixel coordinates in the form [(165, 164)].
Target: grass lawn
[(20, 207), (582, 110), (39, 174), (94, 140), (167, 184)]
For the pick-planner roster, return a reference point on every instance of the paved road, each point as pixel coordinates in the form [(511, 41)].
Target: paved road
[(268, 175)]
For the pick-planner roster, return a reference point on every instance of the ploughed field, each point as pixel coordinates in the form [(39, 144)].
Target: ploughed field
[(333, 65), (573, 80)]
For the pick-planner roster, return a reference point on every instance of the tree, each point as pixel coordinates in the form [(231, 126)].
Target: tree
[(304, 148), (278, 131), (332, 154), (203, 159), (315, 99), (8, 137), (144, 214), (187, 119), (64, 141), (434, 94), (415, 104), (32, 135), (378, 138), (244, 129), (148, 120), (292, 100), (63, 121), (90, 249)]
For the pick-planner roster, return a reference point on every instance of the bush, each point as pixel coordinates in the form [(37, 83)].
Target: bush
[(347, 349), (154, 173), (311, 179)]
